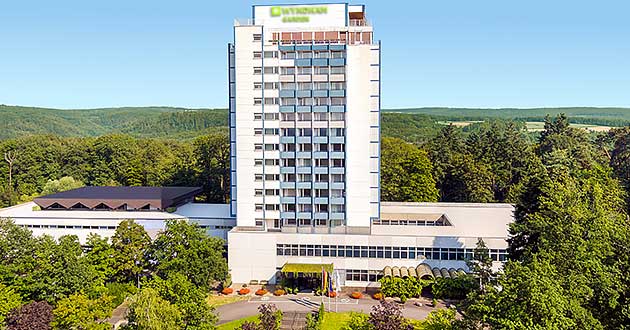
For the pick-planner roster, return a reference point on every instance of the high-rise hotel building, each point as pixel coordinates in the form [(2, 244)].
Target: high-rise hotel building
[(304, 103), (304, 118)]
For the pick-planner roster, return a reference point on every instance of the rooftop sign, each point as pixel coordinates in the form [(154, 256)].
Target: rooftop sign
[(318, 15)]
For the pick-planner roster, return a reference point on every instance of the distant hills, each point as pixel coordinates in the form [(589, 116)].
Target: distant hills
[(182, 123)]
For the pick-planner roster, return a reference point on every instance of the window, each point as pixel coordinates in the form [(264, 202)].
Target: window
[(272, 162), (257, 70), (321, 70), (288, 116), (258, 147), (257, 101), (257, 116), (288, 55), (338, 178), (271, 147), (305, 132), (321, 85), (258, 131), (271, 131), (337, 54), (272, 207), (272, 116), (271, 70), (258, 192), (304, 70), (258, 162), (272, 177), (304, 162), (304, 116), (321, 147), (338, 162), (271, 54), (337, 100), (338, 147), (335, 116), (321, 177), (338, 70), (321, 162), (257, 37), (287, 85), (272, 192), (337, 132), (271, 85), (288, 162), (257, 55), (259, 207), (305, 86), (271, 100), (258, 177), (257, 85), (287, 70)]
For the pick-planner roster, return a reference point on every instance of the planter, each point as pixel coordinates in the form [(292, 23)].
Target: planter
[(378, 296), (332, 294), (356, 295), (244, 291), (261, 292), (227, 291), (279, 292)]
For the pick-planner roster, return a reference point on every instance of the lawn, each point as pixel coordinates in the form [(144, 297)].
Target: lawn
[(334, 321), (236, 324), (218, 300)]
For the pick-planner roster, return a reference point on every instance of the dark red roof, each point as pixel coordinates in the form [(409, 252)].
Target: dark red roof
[(115, 197)]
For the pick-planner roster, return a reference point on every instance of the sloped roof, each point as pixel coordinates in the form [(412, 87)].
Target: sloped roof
[(115, 197)]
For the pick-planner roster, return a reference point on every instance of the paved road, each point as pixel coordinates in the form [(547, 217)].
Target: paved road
[(307, 302)]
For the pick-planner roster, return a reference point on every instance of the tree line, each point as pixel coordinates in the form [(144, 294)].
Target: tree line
[(47, 283), (114, 160)]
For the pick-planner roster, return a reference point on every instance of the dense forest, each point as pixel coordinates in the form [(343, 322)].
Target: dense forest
[(179, 123), (569, 251)]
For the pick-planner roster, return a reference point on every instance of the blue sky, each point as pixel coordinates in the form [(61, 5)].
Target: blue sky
[(484, 53)]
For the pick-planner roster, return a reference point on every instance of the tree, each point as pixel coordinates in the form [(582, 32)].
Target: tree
[(187, 249), (406, 173), (213, 166), (63, 184), (130, 241), (388, 316), (82, 313), (148, 311), (61, 269), (101, 256), (36, 315), (196, 313), (17, 252), (9, 300), (481, 264), (439, 319)]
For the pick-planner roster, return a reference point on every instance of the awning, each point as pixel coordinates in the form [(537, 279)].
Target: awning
[(422, 271), (307, 268)]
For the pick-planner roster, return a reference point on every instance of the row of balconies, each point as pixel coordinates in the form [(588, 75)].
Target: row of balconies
[(288, 48), (314, 154), (320, 62), (312, 93), (313, 215), (312, 108), (312, 185), (306, 77), (313, 139), (311, 200), (311, 170)]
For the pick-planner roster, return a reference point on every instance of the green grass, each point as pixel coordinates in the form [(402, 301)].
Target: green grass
[(217, 300), (334, 321), (236, 324)]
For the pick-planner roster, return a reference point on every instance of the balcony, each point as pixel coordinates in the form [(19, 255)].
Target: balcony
[(287, 170), (320, 108), (303, 108), (287, 93), (303, 62), (320, 93), (337, 93), (287, 108), (320, 62), (337, 61), (287, 139), (337, 108), (303, 93)]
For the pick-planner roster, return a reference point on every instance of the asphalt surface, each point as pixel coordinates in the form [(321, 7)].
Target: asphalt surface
[(308, 302)]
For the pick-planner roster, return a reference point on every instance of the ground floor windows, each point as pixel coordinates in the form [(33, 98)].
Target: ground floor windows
[(383, 252), (362, 275)]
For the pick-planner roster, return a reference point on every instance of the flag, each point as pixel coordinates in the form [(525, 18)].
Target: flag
[(330, 286), (324, 280), (337, 281)]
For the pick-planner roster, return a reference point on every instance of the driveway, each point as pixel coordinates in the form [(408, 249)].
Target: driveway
[(308, 302)]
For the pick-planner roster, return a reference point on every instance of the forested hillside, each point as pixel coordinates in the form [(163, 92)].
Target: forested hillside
[(577, 115), (415, 125)]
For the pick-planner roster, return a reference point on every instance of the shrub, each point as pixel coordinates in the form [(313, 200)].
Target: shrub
[(279, 292), (454, 288), (243, 291), (270, 317), (378, 296), (227, 291), (261, 292), (332, 294), (356, 295)]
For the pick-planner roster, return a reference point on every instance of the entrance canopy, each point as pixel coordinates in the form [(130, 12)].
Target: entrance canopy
[(306, 268)]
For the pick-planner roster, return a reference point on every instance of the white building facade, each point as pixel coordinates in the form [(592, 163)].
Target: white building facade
[(304, 99)]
